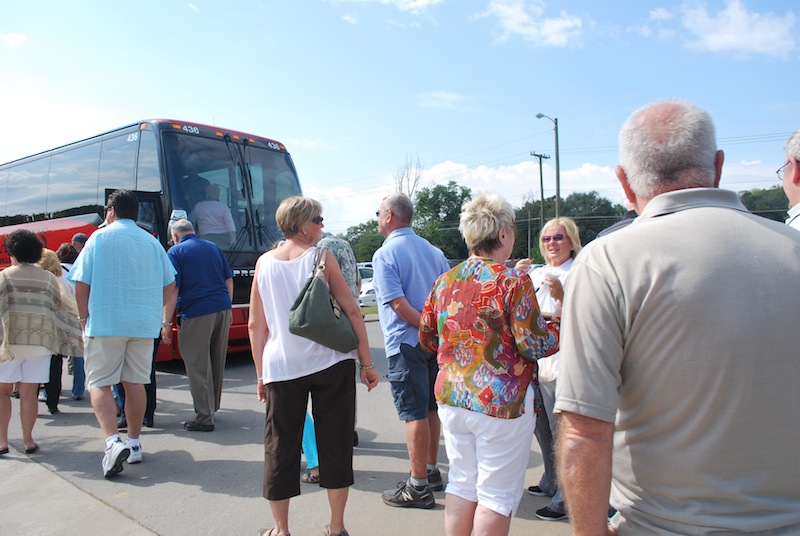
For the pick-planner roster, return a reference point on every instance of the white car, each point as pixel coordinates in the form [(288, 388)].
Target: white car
[(365, 272), (367, 296)]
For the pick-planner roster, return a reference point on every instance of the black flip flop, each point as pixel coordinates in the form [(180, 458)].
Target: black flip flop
[(32, 450)]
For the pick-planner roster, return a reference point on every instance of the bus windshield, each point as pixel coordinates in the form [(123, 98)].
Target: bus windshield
[(230, 190)]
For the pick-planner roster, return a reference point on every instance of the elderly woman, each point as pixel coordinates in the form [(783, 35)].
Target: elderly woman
[(483, 322), (52, 389), (290, 367), (35, 325), (559, 242)]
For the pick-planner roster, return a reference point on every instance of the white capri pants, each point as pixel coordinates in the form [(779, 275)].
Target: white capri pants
[(488, 456)]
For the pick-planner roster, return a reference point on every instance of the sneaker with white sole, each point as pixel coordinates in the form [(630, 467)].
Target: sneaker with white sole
[(115, 455), (550, 515), (136, 454), (406, 496), (536, 491)]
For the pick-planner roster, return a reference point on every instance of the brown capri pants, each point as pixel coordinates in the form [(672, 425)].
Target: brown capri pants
[(333, 402)]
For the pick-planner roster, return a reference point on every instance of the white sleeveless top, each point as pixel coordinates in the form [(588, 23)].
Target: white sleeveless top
[(288, 356)]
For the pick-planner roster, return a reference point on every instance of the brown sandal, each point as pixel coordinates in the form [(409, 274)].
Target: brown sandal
[(309, 478)]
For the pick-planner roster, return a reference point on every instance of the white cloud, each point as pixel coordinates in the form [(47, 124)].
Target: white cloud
[(518, 182), (739, 31), (352, 19), (193, 7), (442, 99), (660, 14), (13, 39), (526, 19)]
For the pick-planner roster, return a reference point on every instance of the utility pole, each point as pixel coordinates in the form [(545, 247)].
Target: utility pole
[(558, 168), (541, 189)]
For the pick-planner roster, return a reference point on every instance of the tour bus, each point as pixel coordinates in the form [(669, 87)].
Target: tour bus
[(172, 166)]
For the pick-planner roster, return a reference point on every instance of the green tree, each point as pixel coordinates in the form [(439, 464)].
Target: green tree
[(770, 203), (437, 211), (591, 212), (364, 239)]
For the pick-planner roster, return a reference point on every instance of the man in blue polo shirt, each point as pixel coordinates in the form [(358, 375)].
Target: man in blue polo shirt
[(204, 283), (405, 268)]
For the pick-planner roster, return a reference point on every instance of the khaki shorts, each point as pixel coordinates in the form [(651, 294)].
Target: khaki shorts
[(110, 360)]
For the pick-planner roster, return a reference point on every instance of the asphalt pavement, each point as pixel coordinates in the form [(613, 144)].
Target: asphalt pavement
[(193, 483)]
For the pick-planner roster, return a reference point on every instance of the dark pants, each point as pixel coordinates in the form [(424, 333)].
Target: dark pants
[(52, 389), (333, 400)]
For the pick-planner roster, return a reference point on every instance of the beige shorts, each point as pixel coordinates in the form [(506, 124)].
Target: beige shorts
[(110, 360)]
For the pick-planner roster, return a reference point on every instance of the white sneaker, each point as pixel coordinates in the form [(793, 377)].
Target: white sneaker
[(136, 454), (115, 455)]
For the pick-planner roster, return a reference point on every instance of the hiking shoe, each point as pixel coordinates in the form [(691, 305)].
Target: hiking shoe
[(435, 480), (407, 496), (115, 455), (550, 515), (536, 491), (136, 454)]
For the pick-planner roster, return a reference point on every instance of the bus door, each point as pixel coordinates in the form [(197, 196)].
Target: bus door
[(151, 217)]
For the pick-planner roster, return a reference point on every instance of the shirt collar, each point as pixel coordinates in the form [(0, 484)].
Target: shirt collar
[(402, 231), (793, 213), (689, 198)]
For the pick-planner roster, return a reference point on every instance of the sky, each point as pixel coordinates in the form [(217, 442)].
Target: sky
[(355, 88)]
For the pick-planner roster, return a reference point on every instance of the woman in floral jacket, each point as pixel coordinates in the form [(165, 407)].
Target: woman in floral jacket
[(483, 321)]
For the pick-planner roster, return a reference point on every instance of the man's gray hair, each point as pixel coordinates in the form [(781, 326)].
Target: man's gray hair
[(401, 207), (182, 226), (792, 148), (668, 145)]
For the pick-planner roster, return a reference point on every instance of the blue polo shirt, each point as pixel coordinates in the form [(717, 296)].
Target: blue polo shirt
[(202, 270), (405, 265), (126, 270)]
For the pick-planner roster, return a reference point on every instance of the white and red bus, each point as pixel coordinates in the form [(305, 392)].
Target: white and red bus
[(170, 165)]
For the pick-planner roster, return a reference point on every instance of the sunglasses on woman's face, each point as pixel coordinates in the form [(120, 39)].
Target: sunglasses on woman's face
[(317, 220), (556, 237)]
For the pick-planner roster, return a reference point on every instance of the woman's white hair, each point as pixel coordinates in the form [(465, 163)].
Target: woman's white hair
[(482, 218), (668, 145)]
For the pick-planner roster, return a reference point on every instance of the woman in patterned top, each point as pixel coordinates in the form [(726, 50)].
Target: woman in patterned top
[(483, 321)]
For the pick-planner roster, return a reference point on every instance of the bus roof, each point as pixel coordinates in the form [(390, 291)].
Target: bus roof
[(162, 123)]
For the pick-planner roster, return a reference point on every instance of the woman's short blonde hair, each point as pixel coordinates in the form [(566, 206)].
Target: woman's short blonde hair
[(572, 231), (50, 262), (295, 211), (482, 218)]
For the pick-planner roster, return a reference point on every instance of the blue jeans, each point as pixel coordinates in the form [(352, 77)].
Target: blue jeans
[(78, 378), (545, 432)]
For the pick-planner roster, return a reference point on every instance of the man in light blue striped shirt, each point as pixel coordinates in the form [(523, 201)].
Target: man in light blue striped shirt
[(123, 283)]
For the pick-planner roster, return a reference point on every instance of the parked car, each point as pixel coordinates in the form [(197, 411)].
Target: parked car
[(366, 274), (367, 297)]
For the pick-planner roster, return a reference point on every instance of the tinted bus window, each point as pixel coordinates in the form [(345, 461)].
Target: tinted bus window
[(118, 162), (148, 177), (73, 181), (27, 187)]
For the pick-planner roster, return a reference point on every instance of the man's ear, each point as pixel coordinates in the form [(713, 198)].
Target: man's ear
[(793, 171), (626, 187), (718, 161)]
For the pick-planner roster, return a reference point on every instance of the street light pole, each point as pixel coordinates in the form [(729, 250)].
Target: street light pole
[(541, 190), (558, 169)]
